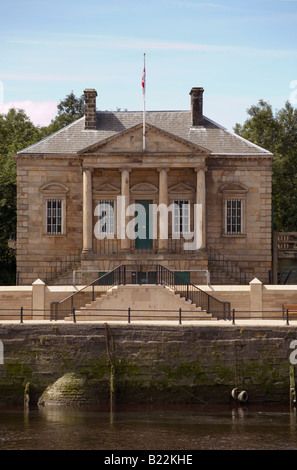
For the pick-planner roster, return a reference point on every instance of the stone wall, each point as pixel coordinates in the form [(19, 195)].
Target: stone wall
[(36, 251), (145, 364), (39, 176), (251, 250)]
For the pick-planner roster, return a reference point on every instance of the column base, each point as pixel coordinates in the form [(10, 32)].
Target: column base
[(87, 251)]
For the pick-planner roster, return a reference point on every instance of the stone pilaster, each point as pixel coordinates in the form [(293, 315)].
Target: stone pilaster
[(125, 193), (163, 199), (87, 211), (201, 199)]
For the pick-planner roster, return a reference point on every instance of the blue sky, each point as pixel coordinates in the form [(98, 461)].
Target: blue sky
[(239, 52)]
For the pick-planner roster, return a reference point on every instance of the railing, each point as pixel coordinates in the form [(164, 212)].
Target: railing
[(112, 246), (193, 294), (129, 315), (92, 274), (141, 274), (88, 293), (286, 241), (59, 267), (226, 265)]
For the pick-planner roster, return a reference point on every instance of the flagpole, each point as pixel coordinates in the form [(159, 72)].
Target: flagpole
[(143, 96)]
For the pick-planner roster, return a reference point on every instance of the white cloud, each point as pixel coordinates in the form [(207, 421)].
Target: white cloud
[(47, 78), (40, 113), (120, 42)]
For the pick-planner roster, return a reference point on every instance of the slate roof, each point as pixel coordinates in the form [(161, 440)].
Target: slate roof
[(212, 136)]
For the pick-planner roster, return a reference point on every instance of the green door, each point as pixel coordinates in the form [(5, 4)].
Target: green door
[(143, 227), (182, 277)]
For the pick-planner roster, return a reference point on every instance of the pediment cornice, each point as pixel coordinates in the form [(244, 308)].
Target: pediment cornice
[(158, 141)]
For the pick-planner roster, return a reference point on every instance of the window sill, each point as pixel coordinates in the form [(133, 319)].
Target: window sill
[(54, 235), (234, 235)]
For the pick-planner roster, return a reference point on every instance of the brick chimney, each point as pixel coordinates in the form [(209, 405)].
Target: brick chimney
[(197, 106), (90, 109)]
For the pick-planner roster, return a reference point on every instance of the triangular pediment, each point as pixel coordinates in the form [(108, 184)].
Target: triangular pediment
[(106, 188), (156, 141), (181, 188), (143, 187)]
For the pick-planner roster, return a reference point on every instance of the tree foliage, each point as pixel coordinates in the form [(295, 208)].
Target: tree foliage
[(16, 133), (277, 132), (70, 109)]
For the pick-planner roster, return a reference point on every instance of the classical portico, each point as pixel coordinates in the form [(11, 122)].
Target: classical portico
[(167, 166)]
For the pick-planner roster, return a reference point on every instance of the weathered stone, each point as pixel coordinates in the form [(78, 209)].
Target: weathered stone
[(69, 390), (82, 364)]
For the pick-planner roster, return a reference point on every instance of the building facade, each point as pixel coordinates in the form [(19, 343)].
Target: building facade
[(86, 194)]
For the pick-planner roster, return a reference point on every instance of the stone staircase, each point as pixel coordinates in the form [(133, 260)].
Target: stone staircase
[(146, 302)]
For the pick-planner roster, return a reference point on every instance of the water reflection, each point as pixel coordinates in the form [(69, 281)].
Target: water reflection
[(149, 427)]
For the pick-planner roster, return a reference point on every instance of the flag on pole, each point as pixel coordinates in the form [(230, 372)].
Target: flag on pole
[(143, 79), (143, 97)]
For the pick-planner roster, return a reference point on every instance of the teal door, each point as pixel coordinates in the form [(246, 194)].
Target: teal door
[(182, 277), (143, 227)]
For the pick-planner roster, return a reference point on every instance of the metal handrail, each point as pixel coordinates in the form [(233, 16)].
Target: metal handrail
[(60, 267), (226, 265), (140, 274), (194, 294), (86, 294)]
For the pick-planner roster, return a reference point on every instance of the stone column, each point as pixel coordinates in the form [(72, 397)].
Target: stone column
[(201, 199), (87, 211), (163, 199), (125, 193)]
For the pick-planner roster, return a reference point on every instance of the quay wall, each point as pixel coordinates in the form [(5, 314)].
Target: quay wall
[(75, 364)]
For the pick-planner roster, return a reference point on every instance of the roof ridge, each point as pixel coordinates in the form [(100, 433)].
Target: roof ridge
[(141, 111)]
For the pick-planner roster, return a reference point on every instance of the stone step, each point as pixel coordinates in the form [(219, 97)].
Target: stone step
[(156, 302)]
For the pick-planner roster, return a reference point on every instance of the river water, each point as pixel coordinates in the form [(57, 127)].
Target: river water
[(192, 427)]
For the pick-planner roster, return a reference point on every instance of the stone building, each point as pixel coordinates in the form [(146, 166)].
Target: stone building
[(75, 186)]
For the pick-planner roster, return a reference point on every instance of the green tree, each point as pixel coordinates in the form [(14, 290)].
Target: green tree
[(277, 132), (70, 109), (16, 133), (262, 128)]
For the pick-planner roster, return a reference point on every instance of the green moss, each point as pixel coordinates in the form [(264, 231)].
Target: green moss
[(17, 369)]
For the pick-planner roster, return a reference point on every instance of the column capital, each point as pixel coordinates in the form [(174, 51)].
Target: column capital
[(125, 169), (201, 167), (87, 168), (163, 169)]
